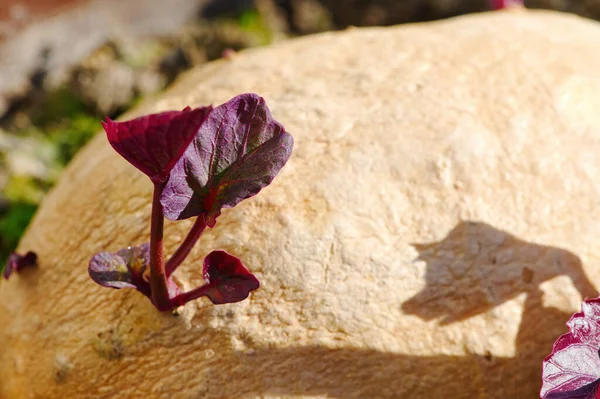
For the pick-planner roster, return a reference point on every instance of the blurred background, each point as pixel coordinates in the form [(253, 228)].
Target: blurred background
[(65, 64)]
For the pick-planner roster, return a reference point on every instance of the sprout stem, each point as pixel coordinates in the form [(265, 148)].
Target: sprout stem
[(196, 293), (186, 246), (158, 279)]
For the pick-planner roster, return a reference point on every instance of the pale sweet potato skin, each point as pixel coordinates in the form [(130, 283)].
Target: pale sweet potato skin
[(436, 225)]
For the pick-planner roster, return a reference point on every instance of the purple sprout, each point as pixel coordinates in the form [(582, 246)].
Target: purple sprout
[(199, 161)]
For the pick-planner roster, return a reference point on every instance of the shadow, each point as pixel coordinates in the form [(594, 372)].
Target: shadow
[(481, 266), (314, 371)]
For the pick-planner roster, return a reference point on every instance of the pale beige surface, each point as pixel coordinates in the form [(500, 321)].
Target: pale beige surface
[(438, 222)]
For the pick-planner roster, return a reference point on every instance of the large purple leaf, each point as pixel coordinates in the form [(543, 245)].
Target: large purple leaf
[(125, 269), (572, 370), (238, 151), (16, 262), (154, 143)]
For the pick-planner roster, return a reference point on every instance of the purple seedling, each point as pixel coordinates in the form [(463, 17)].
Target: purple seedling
[(199, 161)]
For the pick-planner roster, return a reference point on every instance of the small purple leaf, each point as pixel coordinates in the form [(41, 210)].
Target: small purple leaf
[(238, 151), (154, 143), (228, 280), (572, 370), (125, 269), (16, 263)]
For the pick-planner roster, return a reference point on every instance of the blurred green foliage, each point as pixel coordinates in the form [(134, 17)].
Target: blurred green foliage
[(63, 123), (72, 135), (12, 226), (253, 22), (55, 107)]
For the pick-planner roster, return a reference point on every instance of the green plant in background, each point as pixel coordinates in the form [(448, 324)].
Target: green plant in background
[(253, 22), (61, 125), (55, 107), (23, 194), (72, 136), (12, 226)]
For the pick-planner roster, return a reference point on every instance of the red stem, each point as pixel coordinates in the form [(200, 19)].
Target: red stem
[(186, 246), (196, 293), (158, 279)]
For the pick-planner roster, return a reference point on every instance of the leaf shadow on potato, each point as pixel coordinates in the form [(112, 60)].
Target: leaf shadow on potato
[(478, 264), (481, 267)]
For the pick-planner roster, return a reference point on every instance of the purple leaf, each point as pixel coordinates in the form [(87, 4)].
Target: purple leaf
[(228, 280), (238, 151), (16, 263), (125, 269), (572, 370), (154, 143)]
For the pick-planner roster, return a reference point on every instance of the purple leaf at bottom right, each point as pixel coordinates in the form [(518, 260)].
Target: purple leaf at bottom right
[(572, 370)]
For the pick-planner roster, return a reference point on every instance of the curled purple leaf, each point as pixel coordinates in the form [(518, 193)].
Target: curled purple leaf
[(154, 143), (125, 269), (238, 151), (16, 263), (572, 370), (227, 279)]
